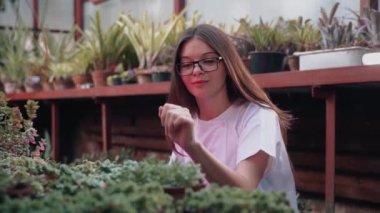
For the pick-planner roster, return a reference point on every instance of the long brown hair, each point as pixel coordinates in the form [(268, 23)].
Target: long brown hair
[(240, 84)]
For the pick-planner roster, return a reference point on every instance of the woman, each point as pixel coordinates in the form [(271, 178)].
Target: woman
[(219, 117)]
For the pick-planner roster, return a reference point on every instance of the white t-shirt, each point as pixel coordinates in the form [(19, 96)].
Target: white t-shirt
[(240, 132)]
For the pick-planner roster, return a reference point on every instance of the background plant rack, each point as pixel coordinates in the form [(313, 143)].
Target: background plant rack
[(321, 84)]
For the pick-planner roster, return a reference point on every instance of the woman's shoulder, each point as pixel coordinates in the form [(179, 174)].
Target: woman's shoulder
[(251, 109)]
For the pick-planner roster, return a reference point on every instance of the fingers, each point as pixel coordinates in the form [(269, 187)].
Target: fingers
[(169, 124), (172, 118), (162, 111)]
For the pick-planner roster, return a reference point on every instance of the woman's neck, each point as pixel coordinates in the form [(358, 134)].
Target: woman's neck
[(211, 108)]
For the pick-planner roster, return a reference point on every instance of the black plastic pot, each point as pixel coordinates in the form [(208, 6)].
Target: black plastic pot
[(263, 62), (160, 76)]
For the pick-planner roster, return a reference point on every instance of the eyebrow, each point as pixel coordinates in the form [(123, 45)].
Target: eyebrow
[(203, 55)]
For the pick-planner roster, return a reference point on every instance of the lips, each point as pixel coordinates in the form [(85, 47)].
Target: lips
[(200, 82)]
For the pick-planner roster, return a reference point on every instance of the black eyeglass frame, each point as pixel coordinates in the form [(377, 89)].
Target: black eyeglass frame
[(177, 66)]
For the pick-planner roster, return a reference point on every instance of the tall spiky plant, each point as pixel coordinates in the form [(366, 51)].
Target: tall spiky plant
[(146, 37), (334, 32), (15, 54), (106, 47), (268, 37), (304, 36), (369, 27)]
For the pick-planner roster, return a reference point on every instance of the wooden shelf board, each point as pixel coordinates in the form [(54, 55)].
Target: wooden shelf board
[(286, 79)]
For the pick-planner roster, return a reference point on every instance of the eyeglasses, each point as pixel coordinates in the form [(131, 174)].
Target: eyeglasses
[(206, 65)]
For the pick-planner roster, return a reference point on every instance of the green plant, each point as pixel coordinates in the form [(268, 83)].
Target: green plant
[(56, 55), (229, 200), (60, 71), (268, 37), (15, 54), (18, 137), (167, 52), (106, 48), (146, 37), (304, 36), (80, 63), (334, 32)]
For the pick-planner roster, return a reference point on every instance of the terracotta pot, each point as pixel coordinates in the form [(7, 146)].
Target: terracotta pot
[(12, 87), (99, 77), (293, 62), (47, 86), (144, 78), (20, 190), (62, 84), (179, 192), (80, 80)]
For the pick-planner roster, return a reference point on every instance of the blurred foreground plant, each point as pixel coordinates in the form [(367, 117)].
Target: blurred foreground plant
[(18, 137)]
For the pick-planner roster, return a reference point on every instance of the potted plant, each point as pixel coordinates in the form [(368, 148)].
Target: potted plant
[(241, 41), (303, 37), (128, 76), (106, 48), (270, 42), (369, 27), (38, 73), (162, 71), (58, 53), (61, 75), (80, 66), (148, 39), (338, 42), (14, 61)]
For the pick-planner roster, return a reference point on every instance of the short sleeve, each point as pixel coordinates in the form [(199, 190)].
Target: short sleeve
[(260, 131), (181, 157)]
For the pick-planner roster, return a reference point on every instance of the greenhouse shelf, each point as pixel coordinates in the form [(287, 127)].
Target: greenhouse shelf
[(320, 83)]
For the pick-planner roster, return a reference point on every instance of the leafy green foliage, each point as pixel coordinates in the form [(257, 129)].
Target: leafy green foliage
[(126, 197), (229, 200), (14, 54), (148, 38), (304, 36), (35, 185), (267, 37), (106, 48)]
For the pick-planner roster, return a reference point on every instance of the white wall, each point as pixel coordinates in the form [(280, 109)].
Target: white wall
[(228, 11), (8, 17), (57, 14), (158, 10), (54, 14)]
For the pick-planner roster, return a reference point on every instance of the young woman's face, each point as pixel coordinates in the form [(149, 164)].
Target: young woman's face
[(206, 83)]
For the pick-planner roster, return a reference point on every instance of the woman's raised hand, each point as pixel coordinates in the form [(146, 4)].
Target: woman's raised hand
[(178, 124)]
